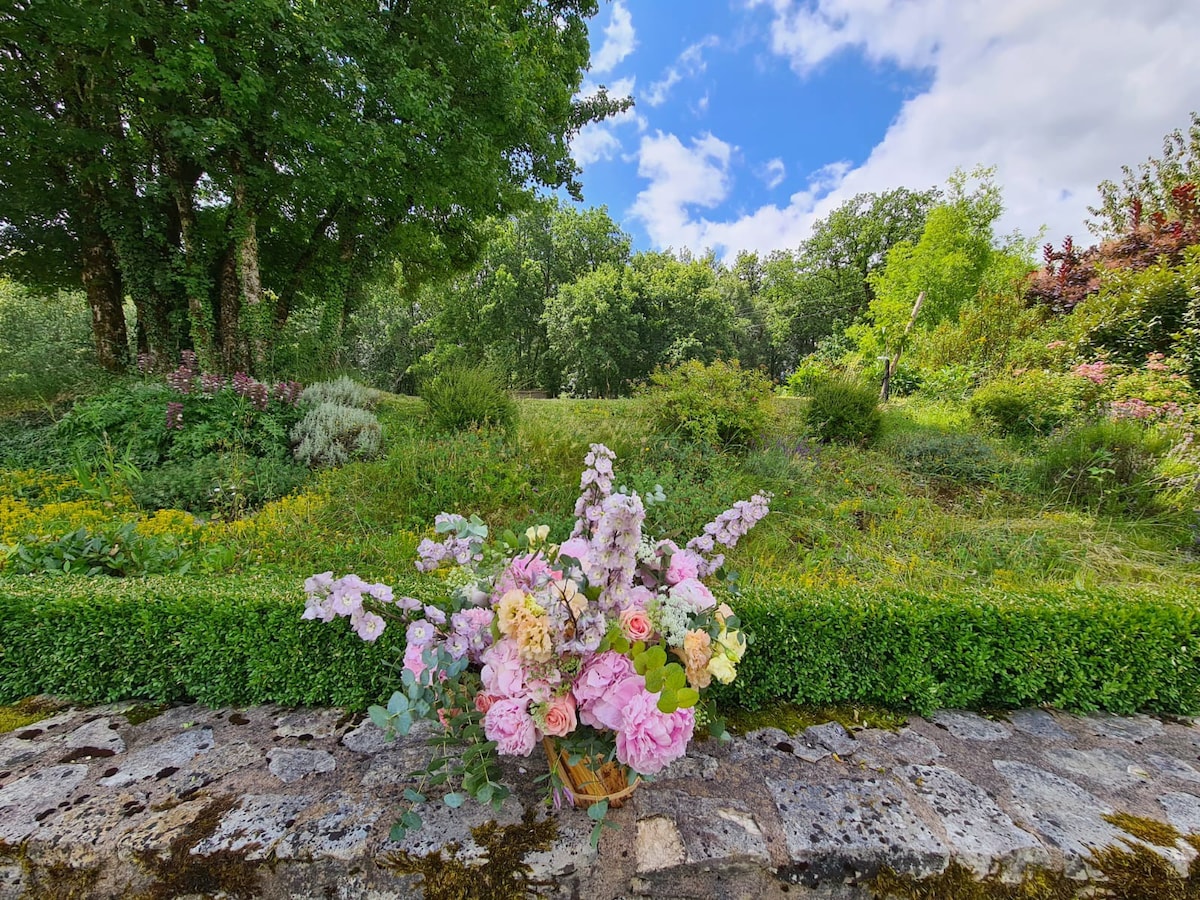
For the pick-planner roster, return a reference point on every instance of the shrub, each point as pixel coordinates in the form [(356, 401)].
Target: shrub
[(226, 484), (720, 405), (1108, 464), (240, 640), (1027, 404), (965, 457), (331, 435), (115, 550), (844, 409), (461, 397), (342, 391)]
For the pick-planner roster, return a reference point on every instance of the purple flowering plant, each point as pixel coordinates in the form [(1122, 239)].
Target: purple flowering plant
[(604, 642)]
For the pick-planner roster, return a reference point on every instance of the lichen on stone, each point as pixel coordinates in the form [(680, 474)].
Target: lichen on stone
[(500, 874)]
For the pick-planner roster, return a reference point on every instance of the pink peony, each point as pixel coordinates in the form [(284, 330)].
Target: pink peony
[(608, 710), (576, 548), (599, 674), (636, 624), (684, 565), (650, 739), (509, 724), (695, 594), (560, 716), (503, 673)]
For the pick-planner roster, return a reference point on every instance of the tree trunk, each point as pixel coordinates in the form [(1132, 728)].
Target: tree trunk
[(105, 296), (242, 321)]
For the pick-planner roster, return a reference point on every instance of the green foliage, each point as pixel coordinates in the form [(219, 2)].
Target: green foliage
[(1105, 464), (241, 641), (1138, 312), (843, 409), (463, 397), (225, 484), (342, 391), (720, 405), (1118, 650), (963, 456), (1032, 403), (45, 346), (331, 434), (119, 552)]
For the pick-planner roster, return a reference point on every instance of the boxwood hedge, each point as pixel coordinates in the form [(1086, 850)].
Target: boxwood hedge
[(235, 641)]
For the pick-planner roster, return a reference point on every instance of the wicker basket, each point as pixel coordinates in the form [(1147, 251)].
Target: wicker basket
[(588, 785)]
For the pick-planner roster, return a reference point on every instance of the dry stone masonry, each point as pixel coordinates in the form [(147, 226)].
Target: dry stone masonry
[(269, 802)]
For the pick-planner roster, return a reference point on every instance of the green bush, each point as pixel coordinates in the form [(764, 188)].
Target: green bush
[(844, 409), (1106, 464), (719, 405), (118, 551), (331, 435), (1033, 403), (965, 457), (227, 484), (462, 397), (241, 641)]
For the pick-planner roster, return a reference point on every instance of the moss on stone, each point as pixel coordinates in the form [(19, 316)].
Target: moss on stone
[(793, 718), (501, 874), (25, 712), (1149, 830), (144, 712), (957, 882)]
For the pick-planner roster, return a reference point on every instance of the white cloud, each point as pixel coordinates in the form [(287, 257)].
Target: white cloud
[(1057, 98), (689, 63), (620, 39), (680, 177), (773, 173)]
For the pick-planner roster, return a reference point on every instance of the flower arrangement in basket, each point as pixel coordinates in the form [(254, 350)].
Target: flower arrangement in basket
[(598, 648)]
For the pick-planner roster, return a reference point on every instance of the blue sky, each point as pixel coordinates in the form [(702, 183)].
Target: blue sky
[(753, 118)]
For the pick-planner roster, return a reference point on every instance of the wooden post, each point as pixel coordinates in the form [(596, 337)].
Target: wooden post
[(889, 368)]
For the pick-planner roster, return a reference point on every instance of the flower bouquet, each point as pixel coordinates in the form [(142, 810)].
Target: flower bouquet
[(599, 647)]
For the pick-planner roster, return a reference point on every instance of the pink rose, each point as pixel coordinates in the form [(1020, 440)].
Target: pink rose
[(636, 624), (608, 710), (560, 716), (650, 740), (483, 701), (503, 673), (695, 594), (684, 565), (510, 725)]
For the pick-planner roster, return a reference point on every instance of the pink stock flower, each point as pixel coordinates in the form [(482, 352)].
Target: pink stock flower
[(636, 624), (560, 716), (649, 739), (503, 672), (684, 565), (509, 724)]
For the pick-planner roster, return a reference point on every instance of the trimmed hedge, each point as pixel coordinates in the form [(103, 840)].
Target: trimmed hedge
[(237, 641)]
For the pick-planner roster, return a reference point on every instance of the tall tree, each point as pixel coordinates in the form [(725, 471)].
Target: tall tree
[(222, 157)]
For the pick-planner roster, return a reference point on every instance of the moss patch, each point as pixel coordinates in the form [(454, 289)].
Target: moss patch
[(26, 712), (1149, 830), (501, 874), (793, 718), (959, 883), (144, 712)]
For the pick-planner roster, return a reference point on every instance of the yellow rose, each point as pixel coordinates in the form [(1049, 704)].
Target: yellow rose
[(734, 643), (721, 668)]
